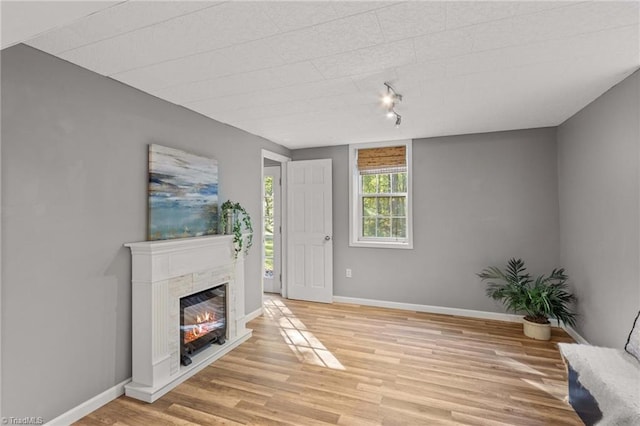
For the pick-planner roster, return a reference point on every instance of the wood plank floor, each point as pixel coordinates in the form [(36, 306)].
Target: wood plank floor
[(317, 364)]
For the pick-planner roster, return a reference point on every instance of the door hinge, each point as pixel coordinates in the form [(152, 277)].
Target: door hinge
[(280, 277), (279, 181), (280, 229)]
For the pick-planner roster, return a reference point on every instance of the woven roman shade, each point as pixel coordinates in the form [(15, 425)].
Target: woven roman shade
[(389, 159)]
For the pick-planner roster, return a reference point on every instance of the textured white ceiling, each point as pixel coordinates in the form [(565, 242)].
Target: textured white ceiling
[(311, 73), (22, 20)]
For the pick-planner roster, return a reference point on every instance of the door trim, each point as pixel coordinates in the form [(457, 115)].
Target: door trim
[(283, 216)]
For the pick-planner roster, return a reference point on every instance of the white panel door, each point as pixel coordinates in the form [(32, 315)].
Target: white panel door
[(310, 240)]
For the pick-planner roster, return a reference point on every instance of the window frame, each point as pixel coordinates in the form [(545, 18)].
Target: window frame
[(355, 207)]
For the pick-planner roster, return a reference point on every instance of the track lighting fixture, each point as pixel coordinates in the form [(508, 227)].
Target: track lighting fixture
[(389, 100)]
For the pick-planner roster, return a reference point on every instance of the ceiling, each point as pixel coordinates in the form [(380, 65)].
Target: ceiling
[(22, 20), (308, 74)]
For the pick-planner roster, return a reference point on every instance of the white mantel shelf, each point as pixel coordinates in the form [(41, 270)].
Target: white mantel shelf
[(163, 272), (179, 243)]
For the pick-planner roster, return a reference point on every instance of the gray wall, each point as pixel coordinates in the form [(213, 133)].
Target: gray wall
[(598, 157), (74, 172), (478, 200)]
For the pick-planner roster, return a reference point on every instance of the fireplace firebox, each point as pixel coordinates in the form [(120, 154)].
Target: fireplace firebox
[(203, 321)]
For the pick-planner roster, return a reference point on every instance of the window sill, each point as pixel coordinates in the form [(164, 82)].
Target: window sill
[(382, 244)]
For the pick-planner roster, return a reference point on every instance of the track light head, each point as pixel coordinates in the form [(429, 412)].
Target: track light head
[(391, 97), (390, 100)]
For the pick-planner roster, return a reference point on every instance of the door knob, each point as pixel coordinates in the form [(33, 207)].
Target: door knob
[(327, 238)]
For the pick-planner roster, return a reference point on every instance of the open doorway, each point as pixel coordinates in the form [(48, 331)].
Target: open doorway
[(302, 248), (273, 221), (271, 232)]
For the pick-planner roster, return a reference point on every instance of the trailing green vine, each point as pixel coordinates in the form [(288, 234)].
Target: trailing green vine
[(239, 219)]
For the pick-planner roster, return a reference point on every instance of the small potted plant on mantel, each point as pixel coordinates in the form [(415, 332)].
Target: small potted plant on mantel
[(232, 221), (540, 299)]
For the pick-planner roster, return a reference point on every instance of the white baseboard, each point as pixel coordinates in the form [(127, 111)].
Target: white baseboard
[(253, 315), (430, 309), (450, 311), (89, 406), (576, 336)]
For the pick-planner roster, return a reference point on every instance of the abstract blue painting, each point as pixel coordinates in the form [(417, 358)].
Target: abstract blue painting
[(183, 194)]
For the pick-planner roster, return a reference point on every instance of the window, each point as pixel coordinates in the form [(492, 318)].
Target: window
[(380, 195)]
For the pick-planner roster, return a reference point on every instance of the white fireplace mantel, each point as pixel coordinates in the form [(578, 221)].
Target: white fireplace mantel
[(162, 273)]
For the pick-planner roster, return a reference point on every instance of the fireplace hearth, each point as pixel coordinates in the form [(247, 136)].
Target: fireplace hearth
[(203, 321)]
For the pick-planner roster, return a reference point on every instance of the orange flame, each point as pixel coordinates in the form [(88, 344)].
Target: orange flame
[(203, 325)]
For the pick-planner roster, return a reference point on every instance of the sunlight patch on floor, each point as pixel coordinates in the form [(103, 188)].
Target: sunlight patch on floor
[(307, 347), (543, 387), (519, 366)]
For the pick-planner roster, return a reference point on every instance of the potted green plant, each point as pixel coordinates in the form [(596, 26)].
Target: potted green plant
[(539, 299), (235, 220)]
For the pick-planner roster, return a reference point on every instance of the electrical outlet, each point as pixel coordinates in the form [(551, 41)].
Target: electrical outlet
[(348, 273)]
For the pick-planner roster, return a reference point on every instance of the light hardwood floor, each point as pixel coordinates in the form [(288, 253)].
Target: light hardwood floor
[(316, 364)]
